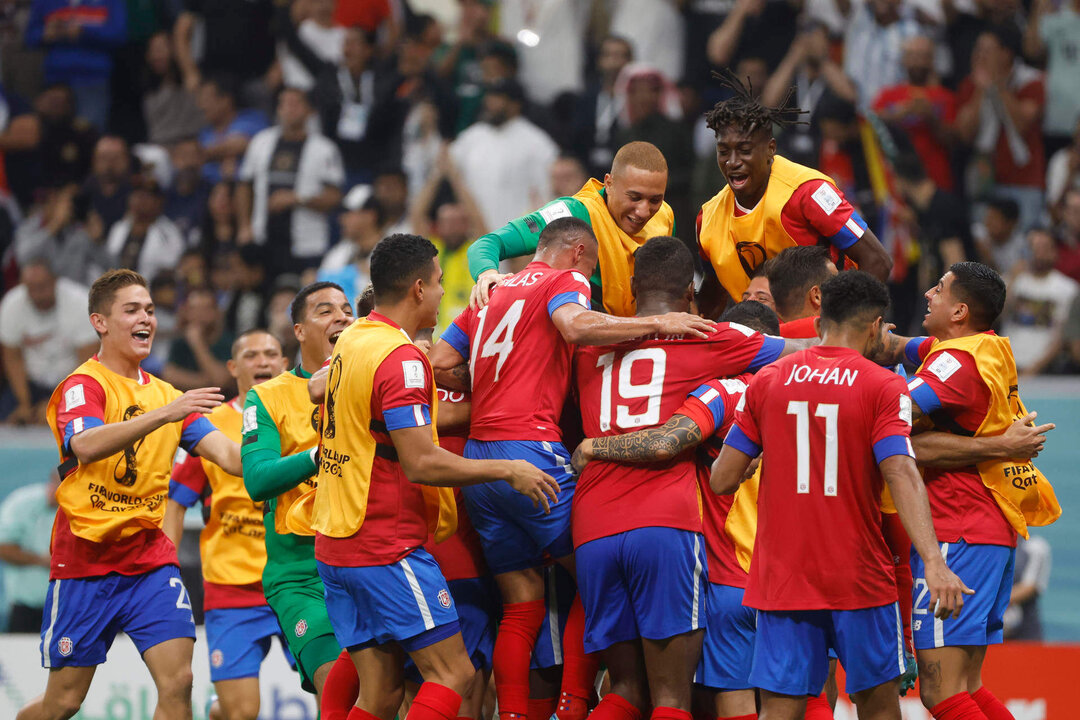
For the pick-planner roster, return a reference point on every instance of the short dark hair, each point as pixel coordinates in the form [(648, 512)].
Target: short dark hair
[(663, 264), (365, 301), (745, 112), (248, 333), (562, 230), (1007, 207), (794, 271), (763, 270), (981, 288), (298, 308), (851, 295), (754, 315), (397, 261), (104, 289)]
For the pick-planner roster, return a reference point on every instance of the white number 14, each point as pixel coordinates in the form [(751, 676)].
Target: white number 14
[(830, 411)]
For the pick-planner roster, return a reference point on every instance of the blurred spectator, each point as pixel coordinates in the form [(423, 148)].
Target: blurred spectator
[(1068, 233), (219, 225), (197, 357), (318, 42), (750, 28), (169, 108), (370, 15), (347, 262), (597, 114), (77, 38), (458, 63), (391, 189), (1053, 33), (44, 334), (940, 222), (145, 240), (221, 24), (656, 30), (359, 110), (1063, 172), (505, 160), (1038, 303), (999, 108), (290, 179), (228, 131), (842, 154), (568, 176), (1031, 577), (1071, 335), (26, 523), (278, 319), (998, 239), (192, 271), (165, 292), (56, 228), (550, 38), (922, 109), (964, 28), (873, 45), (109, 185), (186, 198), (421, 144), (246, 303)]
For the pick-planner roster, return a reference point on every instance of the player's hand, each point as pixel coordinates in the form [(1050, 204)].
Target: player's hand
[(947, 591), (200, 400), (533, 483), (679, 323), (911, 673), (1025, 440), (481, 292), (582, 455)]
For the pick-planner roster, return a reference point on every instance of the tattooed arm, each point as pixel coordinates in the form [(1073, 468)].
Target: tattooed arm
[(657, 444), (451, 368)]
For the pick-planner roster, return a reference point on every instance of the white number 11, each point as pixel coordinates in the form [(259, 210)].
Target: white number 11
[(830, 411)]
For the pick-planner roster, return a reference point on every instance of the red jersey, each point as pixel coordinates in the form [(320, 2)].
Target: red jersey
[(512, 344), (638, 385), (712, 407), (459, 556), (924, 137), (825, 418), (799, 329), (952, 394)]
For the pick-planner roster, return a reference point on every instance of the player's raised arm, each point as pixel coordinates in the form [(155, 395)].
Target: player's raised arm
[(588, 327)]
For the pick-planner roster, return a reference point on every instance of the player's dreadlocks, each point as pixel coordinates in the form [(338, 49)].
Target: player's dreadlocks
[(746, 112)]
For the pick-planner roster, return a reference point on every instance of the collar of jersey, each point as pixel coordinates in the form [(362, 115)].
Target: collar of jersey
[(298, 371)]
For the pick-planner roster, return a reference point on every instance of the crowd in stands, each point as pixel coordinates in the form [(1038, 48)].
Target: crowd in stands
[(232, 150)]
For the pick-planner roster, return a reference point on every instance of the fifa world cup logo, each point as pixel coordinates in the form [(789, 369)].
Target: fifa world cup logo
[(751, 254), (126, 469), (332, 383)]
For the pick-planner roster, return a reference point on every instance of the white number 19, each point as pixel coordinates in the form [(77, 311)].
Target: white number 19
[(801, 410)]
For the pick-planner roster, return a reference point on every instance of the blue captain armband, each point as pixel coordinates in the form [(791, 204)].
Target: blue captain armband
[(407, 416)]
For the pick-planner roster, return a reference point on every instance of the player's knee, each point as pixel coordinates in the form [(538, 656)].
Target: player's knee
[(388, 703), (176, 686), (245, 708), (60, 706)]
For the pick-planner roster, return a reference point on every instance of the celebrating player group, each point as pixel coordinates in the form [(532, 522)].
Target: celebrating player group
[(601, 492)]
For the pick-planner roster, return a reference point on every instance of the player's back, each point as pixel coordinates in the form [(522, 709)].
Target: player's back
[(518, 359), (823, 416)]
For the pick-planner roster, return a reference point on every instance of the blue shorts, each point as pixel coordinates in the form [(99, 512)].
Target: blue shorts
[(406, 602), (644, 583), (791, 648), (83, 615), (559, 592), (238, 640), (729, 640), (514, 533), (476, 602), (986, 569)]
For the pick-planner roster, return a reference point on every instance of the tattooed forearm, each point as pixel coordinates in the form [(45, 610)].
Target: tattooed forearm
[(652, 445), (455, 378)]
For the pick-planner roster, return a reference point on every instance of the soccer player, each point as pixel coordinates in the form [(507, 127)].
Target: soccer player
[(375, 507), (769, 203), (280, 435), (729, 523), (832, 424), (795, 277), (239, 623), (637, 528), (967, 385), (113, 569), (518, 349), (624, 211)]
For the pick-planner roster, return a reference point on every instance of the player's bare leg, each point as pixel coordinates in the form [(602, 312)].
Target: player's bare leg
[(238, 699), (881, 702), (472, 704), (318, 679), (775, 706), (169, 663), (947, 671), (446, 663), (832, 691), (670, 666), (735, 703), (64, 693), (626, 672), (383, 689)]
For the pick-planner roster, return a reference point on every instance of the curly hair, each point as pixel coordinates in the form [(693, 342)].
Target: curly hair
[(746, 113)]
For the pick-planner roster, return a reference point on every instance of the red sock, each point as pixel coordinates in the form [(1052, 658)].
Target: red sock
[(661, 712), (542, 708), (357, 714), (751, 716), (340, 689), (513, 653), (817, 708), (434, 702), (960, 706), (992, 708), (615, 707), (579, 668), (900, 546)]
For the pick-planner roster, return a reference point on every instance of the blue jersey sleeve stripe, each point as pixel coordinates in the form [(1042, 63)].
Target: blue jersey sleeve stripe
[(565, 298), (182, 494), (199, 428), (737, 439), (457, 339), (770, 351), (407, 416), (846, 237), (893, 445), (924, 396), (715, 404), (76, 426), (911, 350)]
